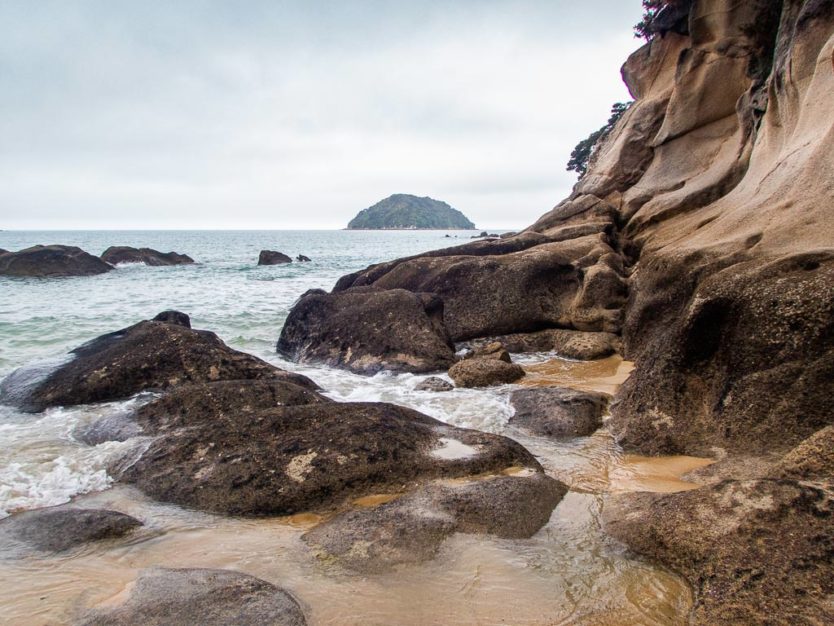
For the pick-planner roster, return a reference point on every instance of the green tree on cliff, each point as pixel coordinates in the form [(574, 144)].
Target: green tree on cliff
[(581, 154), (644, 28)]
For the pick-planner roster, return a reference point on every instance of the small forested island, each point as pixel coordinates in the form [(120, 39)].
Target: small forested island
[(406, 212)]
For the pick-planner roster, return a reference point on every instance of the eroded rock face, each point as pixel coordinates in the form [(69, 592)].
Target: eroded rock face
[(147, 356), (755, 552), (570, 344), (813, 459), (51, 261), (485, 372), (558, 412), (272, 257), (126, 254), (367, 330), (218, 449), (210, 597), (411, 528), (57, 530)]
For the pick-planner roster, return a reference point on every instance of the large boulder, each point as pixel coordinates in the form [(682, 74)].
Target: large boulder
[(219, 449), (150, 355), (410, 529), (57, 530), (126, 254), (754, 552), (558, 412), (813, 459), (484, 372), (272, 257), (51, 261), (367, 330), (209, 597)]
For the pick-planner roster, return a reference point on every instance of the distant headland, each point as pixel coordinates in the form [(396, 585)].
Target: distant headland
[(406, 212)]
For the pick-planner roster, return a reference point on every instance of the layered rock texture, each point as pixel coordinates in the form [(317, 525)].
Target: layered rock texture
[(700, 244)]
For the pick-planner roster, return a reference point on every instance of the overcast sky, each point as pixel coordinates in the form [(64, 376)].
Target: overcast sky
[(297, 114)]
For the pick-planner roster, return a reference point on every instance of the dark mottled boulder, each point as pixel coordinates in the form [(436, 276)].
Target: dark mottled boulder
[(754, 552), (271, 257), (51, 261), (173, 317), (147, 356), (57, 530), (434, 383), (731, 354), (558, 412), (570, 344), (410, 529), (224, 455), (126, 254), (481, 372), (209, 597), (367, 330), (302, 259)]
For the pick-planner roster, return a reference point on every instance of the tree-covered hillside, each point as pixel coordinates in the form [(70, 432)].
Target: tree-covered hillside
[(403, 211)]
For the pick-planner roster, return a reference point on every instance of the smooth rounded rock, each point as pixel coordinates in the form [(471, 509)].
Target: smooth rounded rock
[(51, 261), (57, 530), (208, 597), (484, 372), (126, 254), (272, 257), (558, 412)]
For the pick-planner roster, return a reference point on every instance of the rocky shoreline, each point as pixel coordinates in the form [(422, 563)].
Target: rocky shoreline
[(700, 245)]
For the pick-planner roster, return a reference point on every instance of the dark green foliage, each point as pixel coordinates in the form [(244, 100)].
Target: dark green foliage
[(402, 211), (644, 28), (581, 154)]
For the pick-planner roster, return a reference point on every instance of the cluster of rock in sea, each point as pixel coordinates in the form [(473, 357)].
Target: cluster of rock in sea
[(57, 260)]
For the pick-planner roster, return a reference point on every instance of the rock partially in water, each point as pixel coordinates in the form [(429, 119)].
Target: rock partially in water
[(480, 372), (57, 530), (491, 350), (147, 356), (272, 257), (126, 254), (208, 597), (119, 426), (754, 552), (813, 459), (367, 330), (51, 261), (410, 529), (558, 412), (302, 259), (229, 456), (434, 383)]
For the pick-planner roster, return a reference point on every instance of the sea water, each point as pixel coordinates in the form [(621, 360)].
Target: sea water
[(568, 573)]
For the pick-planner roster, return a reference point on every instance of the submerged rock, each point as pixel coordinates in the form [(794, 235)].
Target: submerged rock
[(302, 259), (368, 330), (410, 529), (271, 257), (558, 412), (57, 530), (481, 372), (434, 383), (221, 451), (754, 552), (119, 426), (209, 597), (126, 254), (51, 261), (150, 355)]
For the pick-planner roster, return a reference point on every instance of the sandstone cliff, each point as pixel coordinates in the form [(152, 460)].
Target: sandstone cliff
[(703, 235)]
